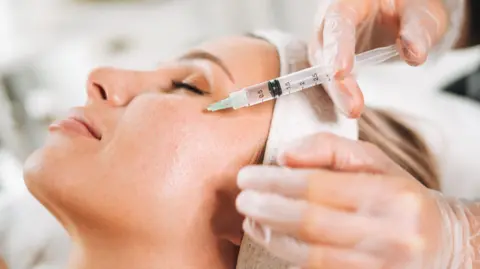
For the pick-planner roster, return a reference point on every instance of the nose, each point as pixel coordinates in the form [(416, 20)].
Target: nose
[(116, 87)]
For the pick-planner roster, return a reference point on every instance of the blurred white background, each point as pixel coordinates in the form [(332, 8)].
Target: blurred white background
[(48, 47)]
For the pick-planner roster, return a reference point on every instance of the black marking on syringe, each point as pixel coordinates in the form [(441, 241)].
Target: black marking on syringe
[(302, 84), (274, 88), (288, 87), (315, 78)]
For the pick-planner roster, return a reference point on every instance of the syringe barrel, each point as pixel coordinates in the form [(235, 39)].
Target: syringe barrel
[(255, 94), (285, 85), (304, 79)]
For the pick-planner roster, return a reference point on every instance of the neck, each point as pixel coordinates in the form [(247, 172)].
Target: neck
[(102, 255), (129, 254)]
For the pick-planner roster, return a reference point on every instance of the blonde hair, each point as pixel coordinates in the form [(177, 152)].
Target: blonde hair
[(401, 143)]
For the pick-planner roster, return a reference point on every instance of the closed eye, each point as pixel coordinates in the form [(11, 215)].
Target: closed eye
[(189, 87)]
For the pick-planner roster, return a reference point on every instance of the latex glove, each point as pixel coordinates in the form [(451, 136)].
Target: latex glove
[(346, 27), (354, 208)]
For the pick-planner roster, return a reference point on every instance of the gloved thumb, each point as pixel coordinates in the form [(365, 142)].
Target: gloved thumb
[(343, 90), (329, 151), (423, 25)]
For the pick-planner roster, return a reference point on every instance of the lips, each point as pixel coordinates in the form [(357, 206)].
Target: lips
[(77, 123)]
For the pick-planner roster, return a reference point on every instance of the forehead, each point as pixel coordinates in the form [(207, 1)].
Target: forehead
[(249, 60)]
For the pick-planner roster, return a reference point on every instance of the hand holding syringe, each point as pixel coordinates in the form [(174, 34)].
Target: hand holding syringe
[(297, 81)]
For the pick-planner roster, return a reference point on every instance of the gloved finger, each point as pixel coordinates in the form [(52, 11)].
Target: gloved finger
[(344, 92), (310, 256), (336, 49), (292, 183), (316, 186), (346, 95), (279, 244), (298, 252), (326, 150), (310, 223), (345, 191), (336, 34), (315, 224), (423, 24)]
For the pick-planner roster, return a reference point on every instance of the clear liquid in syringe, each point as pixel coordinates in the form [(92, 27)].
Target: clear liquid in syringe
[(286, 85), (297, 81)]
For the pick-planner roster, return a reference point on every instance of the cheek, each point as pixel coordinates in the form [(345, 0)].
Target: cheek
[(172, 151), (151, 136), (147, 152), (174, 137), (164, 151), (159, 155)]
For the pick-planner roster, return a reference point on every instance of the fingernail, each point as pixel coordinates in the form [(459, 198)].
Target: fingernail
[(270, 207), (341, 99), (412, 52), (407, 48)]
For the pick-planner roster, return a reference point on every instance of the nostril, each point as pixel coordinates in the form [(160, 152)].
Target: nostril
[(102, 91)]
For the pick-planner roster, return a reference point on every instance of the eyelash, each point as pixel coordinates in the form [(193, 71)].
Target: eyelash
[(189, 87)]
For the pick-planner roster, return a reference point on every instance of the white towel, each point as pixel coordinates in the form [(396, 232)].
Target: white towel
[(295, 116)]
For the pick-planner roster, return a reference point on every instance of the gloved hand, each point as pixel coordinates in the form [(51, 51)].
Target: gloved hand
[(346, 27), (345, 204)]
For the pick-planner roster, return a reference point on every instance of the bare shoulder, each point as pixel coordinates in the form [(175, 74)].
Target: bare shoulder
[(3, 264)]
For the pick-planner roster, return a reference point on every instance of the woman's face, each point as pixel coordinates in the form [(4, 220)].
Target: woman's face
[(154, 167)]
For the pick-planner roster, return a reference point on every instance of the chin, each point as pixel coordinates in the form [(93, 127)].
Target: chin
[(34, 171), (45, 178), (37, 181), (44, 174), (48, 170)]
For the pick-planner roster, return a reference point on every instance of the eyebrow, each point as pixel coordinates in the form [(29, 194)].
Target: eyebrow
[(203, 55)]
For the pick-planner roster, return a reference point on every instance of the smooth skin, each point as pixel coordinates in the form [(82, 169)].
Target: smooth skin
[(158, 189)]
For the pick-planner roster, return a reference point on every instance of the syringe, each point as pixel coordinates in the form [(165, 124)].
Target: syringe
[(297, 81)]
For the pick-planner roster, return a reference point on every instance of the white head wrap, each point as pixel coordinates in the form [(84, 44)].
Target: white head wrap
[(294, 117)]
